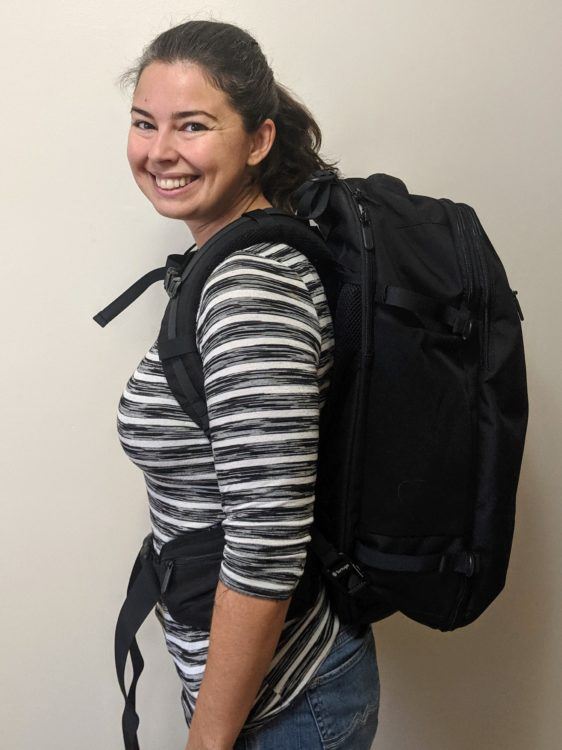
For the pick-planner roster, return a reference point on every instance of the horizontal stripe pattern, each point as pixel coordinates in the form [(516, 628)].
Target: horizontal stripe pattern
[(265, 336)]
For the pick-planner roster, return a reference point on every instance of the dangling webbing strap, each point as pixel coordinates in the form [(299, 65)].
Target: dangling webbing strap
[(141, 285), (143, 592), (129, 296)]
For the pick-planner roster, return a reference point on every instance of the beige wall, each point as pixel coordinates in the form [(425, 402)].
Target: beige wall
[(459, 99)]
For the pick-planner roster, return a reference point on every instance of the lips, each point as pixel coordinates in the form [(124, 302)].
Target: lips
[(174, 191)]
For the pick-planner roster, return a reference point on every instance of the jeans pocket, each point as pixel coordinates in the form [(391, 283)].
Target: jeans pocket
[(344, 698)]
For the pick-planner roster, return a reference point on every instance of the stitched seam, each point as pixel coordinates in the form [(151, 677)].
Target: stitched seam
[(342, 668), (317, 721), (360, 719)]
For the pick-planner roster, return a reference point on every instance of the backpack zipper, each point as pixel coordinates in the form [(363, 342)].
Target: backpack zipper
[(167, 575), (475, 266), (176, 562), (453, 213), (477, 250), (367, 318), (368, 271), (367, 260), (364, 220)]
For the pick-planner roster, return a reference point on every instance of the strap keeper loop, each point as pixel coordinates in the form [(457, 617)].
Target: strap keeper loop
[(172, 281)]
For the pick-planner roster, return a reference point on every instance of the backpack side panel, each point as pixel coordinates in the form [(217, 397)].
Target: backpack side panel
[(502, 424), (416, 496)]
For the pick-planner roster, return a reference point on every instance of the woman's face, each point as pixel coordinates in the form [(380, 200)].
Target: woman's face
[(182, 126)]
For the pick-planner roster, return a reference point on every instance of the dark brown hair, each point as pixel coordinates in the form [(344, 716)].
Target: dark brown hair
[(233, 62)]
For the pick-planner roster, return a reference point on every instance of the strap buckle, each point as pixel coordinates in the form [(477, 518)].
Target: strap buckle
[(346, 574), (465, 562), (463, 325), (322, 175), (172, 281)]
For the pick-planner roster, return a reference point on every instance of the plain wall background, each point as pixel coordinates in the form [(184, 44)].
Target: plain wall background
[(459, 99)]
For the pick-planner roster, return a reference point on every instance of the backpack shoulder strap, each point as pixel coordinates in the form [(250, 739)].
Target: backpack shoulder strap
[(177, 347)]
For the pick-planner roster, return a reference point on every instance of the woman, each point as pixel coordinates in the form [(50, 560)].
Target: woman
[(213, 136)]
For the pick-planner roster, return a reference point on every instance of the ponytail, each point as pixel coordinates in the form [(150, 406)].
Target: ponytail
[(295, 151)]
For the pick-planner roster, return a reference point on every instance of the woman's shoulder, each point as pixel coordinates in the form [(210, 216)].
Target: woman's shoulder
[(275, 257), (274, 251), (270, 273)]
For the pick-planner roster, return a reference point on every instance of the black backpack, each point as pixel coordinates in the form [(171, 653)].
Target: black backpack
[(422, 434)]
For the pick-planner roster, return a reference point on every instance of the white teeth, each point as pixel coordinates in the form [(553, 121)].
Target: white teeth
[(170, 184)]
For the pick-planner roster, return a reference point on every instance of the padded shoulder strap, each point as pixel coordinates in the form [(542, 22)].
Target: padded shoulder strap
[(177, 346)]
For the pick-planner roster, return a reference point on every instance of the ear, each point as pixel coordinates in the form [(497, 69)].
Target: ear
[(262, 141)]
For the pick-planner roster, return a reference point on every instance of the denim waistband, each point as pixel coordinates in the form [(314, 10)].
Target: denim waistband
[(347, 632)]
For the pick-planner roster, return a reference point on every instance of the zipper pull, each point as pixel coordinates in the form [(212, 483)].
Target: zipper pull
[(519, 310), (366, 228), (167, 576)]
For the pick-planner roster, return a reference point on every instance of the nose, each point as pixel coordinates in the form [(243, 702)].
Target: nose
[(162, 147)]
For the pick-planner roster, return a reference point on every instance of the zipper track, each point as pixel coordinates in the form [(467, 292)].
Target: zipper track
[(469, 227), (367, 261), (486, 281), (452, 211), (465, 224), (367, 323), (172, 563)]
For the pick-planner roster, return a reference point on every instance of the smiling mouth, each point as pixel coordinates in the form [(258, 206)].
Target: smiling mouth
[(173, 191)]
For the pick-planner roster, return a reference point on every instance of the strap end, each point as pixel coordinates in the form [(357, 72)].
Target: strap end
[(100, 320)]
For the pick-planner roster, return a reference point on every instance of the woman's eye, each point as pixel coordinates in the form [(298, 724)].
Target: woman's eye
[(139, 123), (197, 124)]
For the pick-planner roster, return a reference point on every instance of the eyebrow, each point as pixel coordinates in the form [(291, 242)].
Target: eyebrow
[(176, 115)]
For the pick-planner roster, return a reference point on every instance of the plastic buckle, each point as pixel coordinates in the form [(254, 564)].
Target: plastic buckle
[(465, 562), (322, 175), (468, 564), (172, 281), (467, 329), (463, 325), (342, 572)]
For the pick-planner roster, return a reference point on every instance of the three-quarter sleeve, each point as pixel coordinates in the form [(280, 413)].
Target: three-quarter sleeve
[(259, 338)]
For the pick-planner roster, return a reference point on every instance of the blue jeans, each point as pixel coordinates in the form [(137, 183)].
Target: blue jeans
[(338, 709)]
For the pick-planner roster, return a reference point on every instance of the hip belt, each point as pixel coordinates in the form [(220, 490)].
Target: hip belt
[(184, 576)]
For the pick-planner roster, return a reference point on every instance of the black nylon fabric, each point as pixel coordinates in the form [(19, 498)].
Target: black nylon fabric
[(425, 439)]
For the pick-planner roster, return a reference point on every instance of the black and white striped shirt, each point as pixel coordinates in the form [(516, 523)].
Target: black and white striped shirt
[(265, 336)]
